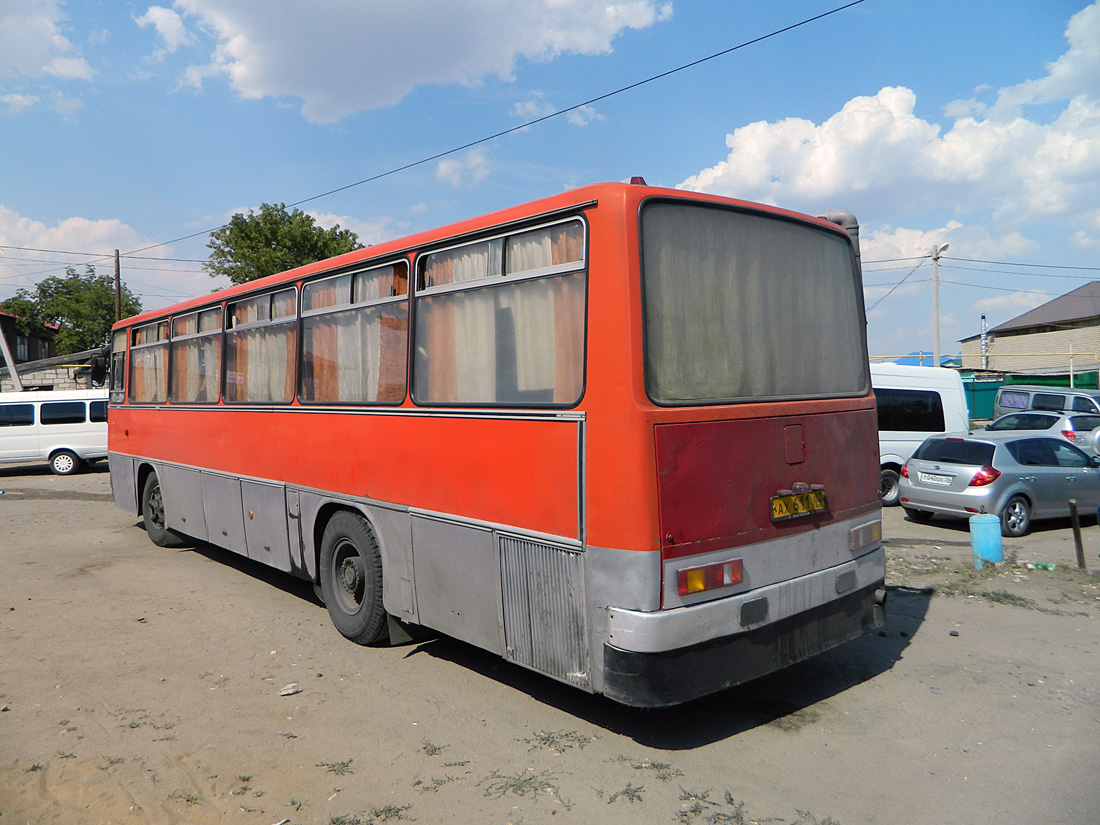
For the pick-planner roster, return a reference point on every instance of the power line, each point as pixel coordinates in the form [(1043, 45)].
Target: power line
[(537, 120)]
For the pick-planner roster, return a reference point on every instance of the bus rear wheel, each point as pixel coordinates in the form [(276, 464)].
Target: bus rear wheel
[(351, 579)]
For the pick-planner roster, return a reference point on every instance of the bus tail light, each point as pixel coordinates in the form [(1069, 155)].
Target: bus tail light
[(986, 475), (710, 576)]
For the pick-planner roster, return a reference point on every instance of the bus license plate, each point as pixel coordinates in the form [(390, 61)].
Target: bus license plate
[(932, 478), (798, 504)]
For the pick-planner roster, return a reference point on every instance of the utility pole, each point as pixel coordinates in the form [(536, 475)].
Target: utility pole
[(936, 252), (118, 291)]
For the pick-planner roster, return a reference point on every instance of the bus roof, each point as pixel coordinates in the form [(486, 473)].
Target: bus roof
[(570, 200)]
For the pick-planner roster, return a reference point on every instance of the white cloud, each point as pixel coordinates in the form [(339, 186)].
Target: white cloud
[(370, 231), (158, 283), (536, 106), (31, 42), (170, 29), (583, 115), (1076, 73), (19, 103), (347, 57), (1014, 302), (471, 167)]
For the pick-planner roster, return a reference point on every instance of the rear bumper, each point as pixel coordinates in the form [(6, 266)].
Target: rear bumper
[(672, 656), (676, 676)]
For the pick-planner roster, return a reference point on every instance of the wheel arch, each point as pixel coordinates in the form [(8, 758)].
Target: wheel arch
[(321, 519)]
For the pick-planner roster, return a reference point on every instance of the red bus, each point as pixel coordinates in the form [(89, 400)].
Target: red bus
[(623, 436)]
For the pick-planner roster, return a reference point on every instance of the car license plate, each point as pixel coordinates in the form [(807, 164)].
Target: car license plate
[(932, 478), (798, 504)]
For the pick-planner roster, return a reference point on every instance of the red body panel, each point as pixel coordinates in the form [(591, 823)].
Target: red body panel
[(717, 478), (514, 472)]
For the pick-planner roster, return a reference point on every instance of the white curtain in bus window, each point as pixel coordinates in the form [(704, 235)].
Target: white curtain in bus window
[(196, 358), (503, 341), (149, 364), (259, 362), (356, 355), (745, 306)]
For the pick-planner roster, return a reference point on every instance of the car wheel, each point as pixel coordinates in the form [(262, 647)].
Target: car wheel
[(1016, 517), (918, 515), (64, 462), (890, 488), (351, 579)]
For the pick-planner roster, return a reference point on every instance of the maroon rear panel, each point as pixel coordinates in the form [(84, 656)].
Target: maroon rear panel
[(716, 479)]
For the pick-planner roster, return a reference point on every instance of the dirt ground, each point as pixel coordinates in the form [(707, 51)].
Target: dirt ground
[(143, 685)]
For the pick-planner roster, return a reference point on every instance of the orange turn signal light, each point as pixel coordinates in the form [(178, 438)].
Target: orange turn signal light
[(710, 576)]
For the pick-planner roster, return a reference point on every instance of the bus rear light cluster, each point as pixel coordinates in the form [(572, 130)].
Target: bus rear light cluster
[(709, 576)]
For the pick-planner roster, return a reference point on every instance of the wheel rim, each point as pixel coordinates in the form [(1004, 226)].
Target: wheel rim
[(1016, 517), (887, 489), (63, 463), (156, 507), (349, 577)]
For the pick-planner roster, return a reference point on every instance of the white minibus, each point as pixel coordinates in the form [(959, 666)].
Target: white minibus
[(913, 404), (66, 428)]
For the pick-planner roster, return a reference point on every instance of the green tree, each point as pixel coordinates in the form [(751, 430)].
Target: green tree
[(81, 306), (272, 240)]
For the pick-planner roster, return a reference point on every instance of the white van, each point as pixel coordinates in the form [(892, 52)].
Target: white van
[(66, 428), (913, 404)]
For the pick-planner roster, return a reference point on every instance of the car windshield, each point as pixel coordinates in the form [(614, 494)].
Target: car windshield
[(955, 451)]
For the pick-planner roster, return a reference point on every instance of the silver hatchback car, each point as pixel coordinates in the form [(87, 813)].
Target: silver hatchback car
[(1016, 475)]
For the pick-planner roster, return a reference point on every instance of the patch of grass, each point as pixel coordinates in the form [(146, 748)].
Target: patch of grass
[(662, 770), (35, 767), (435, 784), (345, 819), (185, 796), (629, 793), (111, 762), (388, 812), (431, 749), (338, 768), (698, 805), (294, 803), (558, 741), (65, 755), (807, 818), (524, 783)]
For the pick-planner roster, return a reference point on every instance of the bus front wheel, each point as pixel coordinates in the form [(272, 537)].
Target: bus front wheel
[(152, 511), (351, 579)]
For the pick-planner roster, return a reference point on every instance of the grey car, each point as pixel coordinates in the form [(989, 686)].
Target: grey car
[(1075, 427), (1018, 476)]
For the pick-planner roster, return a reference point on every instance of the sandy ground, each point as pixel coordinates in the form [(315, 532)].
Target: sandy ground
[(142, 685)]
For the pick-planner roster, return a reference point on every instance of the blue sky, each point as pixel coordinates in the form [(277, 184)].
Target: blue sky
[(133, 126)]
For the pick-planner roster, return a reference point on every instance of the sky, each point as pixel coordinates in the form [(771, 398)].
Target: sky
[(140, 127)]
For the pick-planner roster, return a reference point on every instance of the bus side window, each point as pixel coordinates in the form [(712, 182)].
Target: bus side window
[(149, 364), (513, 336), (355, 331), (196, 357), (261, 348)]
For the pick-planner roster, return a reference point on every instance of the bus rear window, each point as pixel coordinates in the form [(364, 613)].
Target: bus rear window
[(747, 307)]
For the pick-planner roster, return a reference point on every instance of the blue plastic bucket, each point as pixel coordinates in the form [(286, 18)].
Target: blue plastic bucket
[(985, 539)]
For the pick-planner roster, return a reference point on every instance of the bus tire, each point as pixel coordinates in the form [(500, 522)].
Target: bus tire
[(890, 488), (351, 579), (65, 462), (152, 512)]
